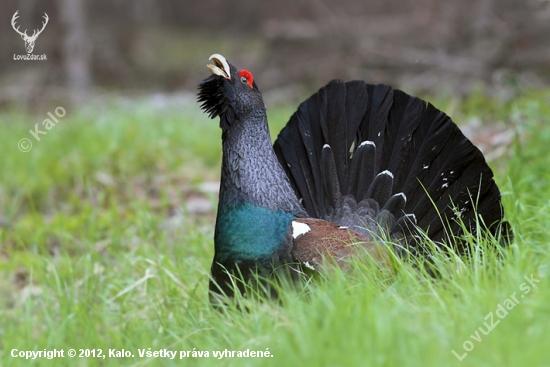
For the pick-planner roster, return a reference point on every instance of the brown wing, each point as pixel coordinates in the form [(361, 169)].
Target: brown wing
[(326, 240)]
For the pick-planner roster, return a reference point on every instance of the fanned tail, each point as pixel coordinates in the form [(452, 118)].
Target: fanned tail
[(385, 163)]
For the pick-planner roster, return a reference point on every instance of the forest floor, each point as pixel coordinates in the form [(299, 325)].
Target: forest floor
[(106, 240)]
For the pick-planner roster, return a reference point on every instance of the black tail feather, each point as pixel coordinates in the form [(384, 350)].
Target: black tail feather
[(362, 170), (392, 161), (381, 188), (330, 175)]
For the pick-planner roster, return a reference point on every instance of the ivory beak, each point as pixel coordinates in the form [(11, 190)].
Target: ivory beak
[(220, 67)]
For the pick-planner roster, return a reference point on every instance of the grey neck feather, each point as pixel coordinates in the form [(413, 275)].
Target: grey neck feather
[(251, 172)]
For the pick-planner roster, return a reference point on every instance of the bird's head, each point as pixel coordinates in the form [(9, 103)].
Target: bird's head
[(229, 92)]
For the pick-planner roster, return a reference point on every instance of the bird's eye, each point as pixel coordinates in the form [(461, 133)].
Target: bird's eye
[(246, 78)]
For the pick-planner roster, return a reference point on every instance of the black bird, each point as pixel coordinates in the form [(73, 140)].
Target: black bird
[(356, 163)]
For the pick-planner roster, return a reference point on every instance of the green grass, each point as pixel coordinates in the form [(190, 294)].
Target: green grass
[(99, 252)]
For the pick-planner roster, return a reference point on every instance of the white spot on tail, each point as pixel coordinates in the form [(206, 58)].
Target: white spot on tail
[(326, 146), (426, 166), (299, 229), (386, 172), (445, 185), (342, 227), (367, 142), (352, 149), (412, 217), (402, 195), (308, 265)]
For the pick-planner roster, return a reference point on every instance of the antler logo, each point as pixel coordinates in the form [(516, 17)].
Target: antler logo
[(29, 41)]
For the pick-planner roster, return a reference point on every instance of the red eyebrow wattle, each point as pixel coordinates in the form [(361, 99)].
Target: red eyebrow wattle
[(248, 77)]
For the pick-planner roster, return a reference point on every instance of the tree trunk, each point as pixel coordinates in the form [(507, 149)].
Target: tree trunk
[(76, 48)]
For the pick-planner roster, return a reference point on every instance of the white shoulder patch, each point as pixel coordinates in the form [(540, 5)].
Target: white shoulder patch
[(299, 229)]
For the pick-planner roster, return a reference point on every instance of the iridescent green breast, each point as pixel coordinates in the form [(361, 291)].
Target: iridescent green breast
[(247, 232)]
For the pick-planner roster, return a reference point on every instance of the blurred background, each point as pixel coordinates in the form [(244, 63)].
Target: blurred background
[(291, 46), (107, 215)]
